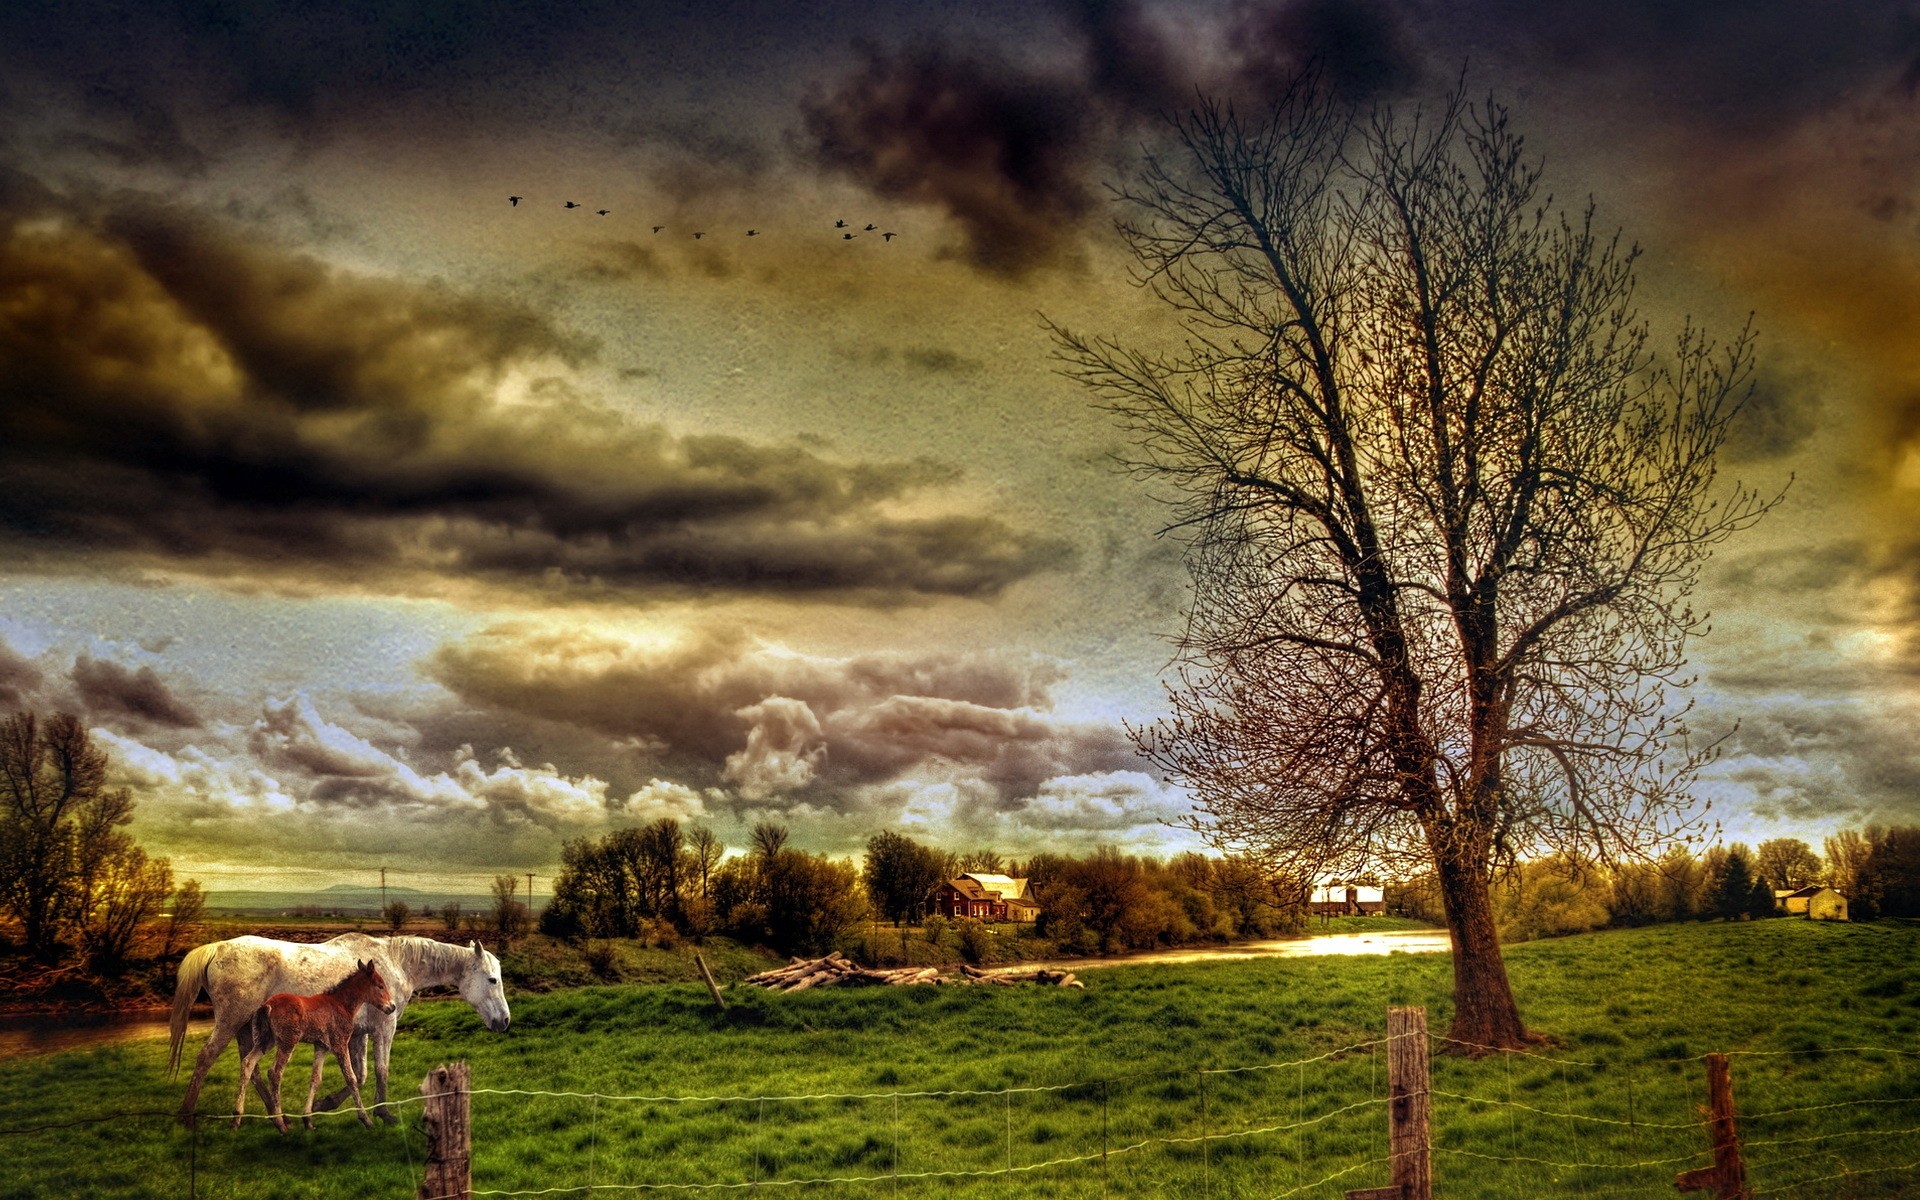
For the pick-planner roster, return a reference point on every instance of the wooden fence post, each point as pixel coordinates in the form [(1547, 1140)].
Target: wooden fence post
[(1408, 1107), (713, 989), (446, 1119), (1727, 1177)]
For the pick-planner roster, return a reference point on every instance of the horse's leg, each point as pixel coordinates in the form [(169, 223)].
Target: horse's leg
[(354, 1081), (382, 1048), (249, 1063), (356, 1052), (243, 1041), (313, 1085), (216, 1042), (280, 1057)]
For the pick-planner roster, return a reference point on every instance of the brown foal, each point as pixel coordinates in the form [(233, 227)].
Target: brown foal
[(326, 1020)]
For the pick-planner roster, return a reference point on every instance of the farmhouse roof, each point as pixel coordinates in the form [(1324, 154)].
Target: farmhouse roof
[(982, 885), (1812, 889)]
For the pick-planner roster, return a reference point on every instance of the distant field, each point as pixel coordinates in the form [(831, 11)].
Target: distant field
[(1628, 1009)]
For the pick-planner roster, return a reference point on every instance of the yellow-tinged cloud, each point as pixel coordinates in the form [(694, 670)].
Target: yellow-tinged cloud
[(182, 397)]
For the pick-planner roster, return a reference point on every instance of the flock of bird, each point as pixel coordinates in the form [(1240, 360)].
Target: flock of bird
[(847, 232)]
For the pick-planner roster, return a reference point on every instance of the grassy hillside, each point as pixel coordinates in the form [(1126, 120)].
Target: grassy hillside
[(1628, 1010)]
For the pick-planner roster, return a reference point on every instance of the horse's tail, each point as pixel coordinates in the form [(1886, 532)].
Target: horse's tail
[(191, 978)]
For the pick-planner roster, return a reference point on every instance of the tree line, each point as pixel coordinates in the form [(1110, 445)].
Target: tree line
[(1877, 869), (635, 882)]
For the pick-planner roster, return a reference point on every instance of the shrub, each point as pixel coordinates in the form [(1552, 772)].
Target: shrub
[(976, 940)]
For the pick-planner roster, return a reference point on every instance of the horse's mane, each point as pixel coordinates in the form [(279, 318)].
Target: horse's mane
[(413, 954)]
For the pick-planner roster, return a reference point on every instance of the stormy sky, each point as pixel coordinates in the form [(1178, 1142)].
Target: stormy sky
[(371, 518)]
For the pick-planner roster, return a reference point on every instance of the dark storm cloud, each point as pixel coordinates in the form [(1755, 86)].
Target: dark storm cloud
[(1780, 415), (778, 727), (1363, 49), (1736, 65), (136, 62), (180, 394), (1000, 148), (110, 689), (18, 679), (1130, 58)]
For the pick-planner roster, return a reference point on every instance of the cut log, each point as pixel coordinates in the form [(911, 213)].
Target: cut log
[(836, 970)]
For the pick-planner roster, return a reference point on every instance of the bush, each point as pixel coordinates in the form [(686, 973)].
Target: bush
[(976, 940), (396, 914), (601, 960)]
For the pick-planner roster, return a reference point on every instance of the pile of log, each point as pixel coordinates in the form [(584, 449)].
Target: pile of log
[(835, 970)]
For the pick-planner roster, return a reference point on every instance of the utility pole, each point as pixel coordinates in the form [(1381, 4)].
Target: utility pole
[(383, 891), (529, 893)]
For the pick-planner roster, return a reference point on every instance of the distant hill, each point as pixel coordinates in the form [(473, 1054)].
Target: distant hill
[(393, 889), (345, 900)]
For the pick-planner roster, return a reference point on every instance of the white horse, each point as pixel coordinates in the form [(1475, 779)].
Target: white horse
[(240, 973)]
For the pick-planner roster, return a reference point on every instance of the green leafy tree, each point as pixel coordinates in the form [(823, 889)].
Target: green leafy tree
[(900, 875)]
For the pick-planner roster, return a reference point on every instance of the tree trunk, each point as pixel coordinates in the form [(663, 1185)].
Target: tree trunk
[(1484, 1012)]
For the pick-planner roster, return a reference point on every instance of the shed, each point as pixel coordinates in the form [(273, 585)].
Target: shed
[(1817, 901)]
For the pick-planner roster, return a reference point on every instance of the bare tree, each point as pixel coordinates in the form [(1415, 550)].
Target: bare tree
[(189, 901), (768, 838), (1443, 505), (707, 850)]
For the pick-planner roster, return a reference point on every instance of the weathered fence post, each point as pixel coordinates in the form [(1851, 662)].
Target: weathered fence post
[(1727, 1177), (1408, 1106), (446, 1119), (713, 989)]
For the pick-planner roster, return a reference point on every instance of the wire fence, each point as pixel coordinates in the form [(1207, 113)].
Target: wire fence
[(1814, 1122)]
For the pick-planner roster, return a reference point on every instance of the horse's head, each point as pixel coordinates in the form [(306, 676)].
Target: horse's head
[(376, 991), (480, 986)]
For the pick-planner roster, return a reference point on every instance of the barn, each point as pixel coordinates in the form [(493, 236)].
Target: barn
[(1337, 898), (1817, 901), (985, 897)]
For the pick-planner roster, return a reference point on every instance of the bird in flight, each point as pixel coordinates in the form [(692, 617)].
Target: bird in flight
[(887, 237), (571, 204), (698, 236), (658, 228), (604, 211), (871, 228), (753, 233), (514, 200), (839, 224), (847, 237)]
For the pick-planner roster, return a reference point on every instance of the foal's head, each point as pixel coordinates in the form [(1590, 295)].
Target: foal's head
[(364, 986)]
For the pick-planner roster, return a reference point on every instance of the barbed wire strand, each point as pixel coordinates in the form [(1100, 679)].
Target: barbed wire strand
[(1805, 1108), (1496, 1102), (1842, 1174), (1554, 1162), (1747, 1144)]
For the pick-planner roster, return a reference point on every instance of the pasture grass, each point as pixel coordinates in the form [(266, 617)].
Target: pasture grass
[(1627, 1010)]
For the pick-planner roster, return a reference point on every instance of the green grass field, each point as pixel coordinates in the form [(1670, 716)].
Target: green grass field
[(1123, 1063)]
